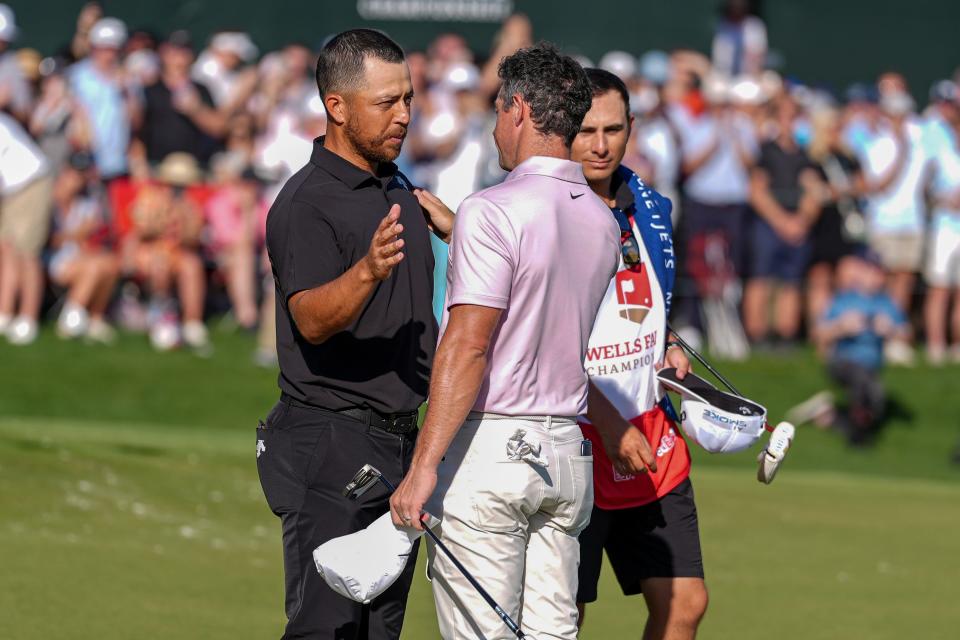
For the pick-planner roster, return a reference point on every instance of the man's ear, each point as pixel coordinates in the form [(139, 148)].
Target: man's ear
[(516, 110), (337, 109)]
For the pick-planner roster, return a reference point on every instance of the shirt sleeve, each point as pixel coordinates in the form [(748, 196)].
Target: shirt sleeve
[(304, 250), (889, 308), (748, 138), (834, 311), (697, 138), (482, 256)]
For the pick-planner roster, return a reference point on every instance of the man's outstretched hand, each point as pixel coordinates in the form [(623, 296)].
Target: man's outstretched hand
[(385, 248)]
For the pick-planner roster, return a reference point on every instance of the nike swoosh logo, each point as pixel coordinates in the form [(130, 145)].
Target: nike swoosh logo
[(574, 197)]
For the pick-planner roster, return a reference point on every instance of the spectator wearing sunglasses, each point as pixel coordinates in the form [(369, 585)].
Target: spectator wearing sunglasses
[(644, 513)]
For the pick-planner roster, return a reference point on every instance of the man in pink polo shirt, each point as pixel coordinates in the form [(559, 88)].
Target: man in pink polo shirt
[(500, 457)]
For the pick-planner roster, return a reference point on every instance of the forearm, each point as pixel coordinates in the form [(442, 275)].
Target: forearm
[(810, 206), (693, 164), (744, 155), (457, 375), (602, 414), (765, 205), (209, 121), (328, 309), (829, 332), (886, 179)]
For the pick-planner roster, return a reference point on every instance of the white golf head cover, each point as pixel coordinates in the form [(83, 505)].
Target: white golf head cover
[(719, 422), (772, 457), (363, 564), (720, 431)]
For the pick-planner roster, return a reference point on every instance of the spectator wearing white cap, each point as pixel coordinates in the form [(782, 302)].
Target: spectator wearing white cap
[(719, 146), (25, 196), (111, 106), (895, 165), (942, 269), (223, 69), (621, 64), (15, 95)]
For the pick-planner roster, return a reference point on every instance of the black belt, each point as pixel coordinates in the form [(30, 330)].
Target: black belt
[(389, 422)]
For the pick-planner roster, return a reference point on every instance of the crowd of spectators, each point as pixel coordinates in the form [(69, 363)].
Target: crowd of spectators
[(137, 171)]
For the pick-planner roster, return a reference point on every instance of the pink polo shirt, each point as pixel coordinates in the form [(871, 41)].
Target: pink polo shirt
[(542, 247)]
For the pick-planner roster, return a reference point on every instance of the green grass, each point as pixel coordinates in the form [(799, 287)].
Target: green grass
[(130, 508)]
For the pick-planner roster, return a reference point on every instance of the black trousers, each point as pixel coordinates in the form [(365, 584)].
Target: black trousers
[(305, 457)]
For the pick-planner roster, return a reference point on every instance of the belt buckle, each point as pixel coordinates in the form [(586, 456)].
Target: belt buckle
[(400, 424)]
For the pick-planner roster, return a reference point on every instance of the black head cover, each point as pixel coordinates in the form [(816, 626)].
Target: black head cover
[(696, 387)]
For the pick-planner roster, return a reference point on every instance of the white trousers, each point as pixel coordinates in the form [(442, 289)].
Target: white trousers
[(513, 495)]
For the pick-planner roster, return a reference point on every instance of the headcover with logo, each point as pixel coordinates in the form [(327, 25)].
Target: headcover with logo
[(719, 422), (363, 564)]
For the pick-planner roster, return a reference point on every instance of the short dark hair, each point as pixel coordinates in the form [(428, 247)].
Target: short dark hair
[(340, 65), (602, 81), (554, 85)]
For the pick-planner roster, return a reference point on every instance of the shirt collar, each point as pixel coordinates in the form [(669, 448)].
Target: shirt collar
[(558, 168), (622, 193), (347, 172)]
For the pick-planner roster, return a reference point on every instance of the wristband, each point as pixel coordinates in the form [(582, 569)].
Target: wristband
[(671, 344)]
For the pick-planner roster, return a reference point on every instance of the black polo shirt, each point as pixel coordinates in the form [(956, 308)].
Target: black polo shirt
[(166, 130), (784, 167), (320, 225)]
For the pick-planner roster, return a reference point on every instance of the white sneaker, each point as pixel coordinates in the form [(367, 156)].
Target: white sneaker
[(73, 322), (196, 337), (22, 331), (165, 334), (955, 354), (936, 356), (899, 354), (101, 332)]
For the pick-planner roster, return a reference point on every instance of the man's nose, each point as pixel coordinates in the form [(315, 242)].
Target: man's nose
[(402, 115), (600, 146)]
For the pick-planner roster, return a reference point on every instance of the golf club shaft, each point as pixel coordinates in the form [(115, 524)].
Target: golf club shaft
[(699, 358), (507, 620)]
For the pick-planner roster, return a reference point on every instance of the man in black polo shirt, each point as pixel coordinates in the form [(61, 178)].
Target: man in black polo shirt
[(178, 113), (351, 258)]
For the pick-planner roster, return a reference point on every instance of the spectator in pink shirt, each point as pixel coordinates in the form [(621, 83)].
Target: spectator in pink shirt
[(236, 217)]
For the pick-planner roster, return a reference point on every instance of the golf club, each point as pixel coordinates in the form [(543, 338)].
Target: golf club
[(365, 478), (701, 360), (781, 437)]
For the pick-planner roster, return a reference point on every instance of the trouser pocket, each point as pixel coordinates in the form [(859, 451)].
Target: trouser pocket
[(576, 504), (282, 485)]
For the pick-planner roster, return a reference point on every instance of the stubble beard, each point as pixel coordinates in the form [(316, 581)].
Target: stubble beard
[(373, 150)]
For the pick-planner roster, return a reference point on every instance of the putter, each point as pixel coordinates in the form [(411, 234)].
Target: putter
[(781, 437), (365, 478)]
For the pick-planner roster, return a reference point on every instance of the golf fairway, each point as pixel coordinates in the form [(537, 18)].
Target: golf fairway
[(131, 508)]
